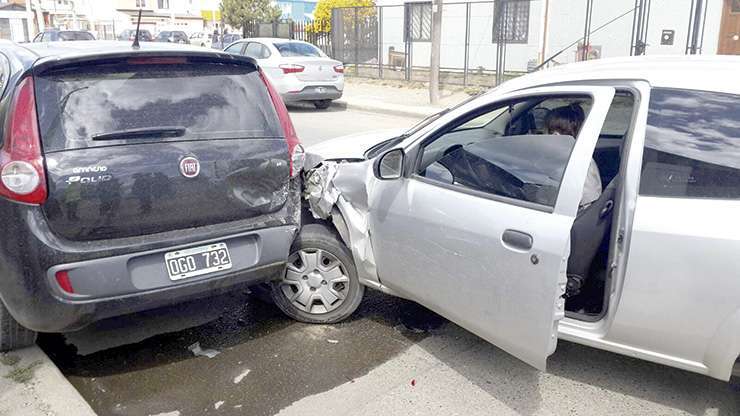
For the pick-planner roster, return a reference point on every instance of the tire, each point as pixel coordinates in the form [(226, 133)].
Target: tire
[(334, 273), (322, 104), (12, 335)]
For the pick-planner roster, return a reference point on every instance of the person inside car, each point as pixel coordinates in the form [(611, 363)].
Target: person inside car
[(567, 120)]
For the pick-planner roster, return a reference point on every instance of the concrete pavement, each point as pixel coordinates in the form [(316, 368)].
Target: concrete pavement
[(31, 385), (452, 372)]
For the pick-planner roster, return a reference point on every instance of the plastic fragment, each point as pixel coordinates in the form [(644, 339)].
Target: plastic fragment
[(332, 341), (238, 379), (218, 404), (200, 352)]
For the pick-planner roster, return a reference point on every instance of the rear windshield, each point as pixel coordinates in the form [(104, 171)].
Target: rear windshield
[(75, 36), (200, 100), (297, 49)]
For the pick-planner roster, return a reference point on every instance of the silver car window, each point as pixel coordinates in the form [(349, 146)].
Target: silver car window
[(508, 155), (692, 145)]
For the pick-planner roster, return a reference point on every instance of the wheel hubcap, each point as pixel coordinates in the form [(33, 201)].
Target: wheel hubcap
[(315, 281)]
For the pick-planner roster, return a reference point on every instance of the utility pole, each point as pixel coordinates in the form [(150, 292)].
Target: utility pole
[(436, 47)]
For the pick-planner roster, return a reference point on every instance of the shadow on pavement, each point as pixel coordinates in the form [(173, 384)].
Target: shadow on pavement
[(336, 107)]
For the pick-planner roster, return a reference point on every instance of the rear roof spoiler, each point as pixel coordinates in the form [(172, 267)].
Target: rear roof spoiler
[(49, 62)]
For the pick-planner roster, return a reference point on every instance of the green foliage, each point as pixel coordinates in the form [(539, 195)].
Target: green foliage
[(236, 12), (322, 13)]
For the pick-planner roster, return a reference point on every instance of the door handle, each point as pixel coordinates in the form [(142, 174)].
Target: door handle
[(517, 240)]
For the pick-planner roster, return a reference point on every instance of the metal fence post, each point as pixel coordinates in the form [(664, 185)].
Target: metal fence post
[(357, 44), (380, 42), (467, 44)]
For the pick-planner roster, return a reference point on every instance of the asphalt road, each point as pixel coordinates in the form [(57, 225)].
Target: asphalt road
[(391, 358)]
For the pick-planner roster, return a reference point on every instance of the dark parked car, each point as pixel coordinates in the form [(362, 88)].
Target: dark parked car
[(130, 34), (174, 36), (122, 191), (63, 35)]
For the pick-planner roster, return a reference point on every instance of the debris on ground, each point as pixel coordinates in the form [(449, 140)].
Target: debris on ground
[(332, 341), (200, 352), (413, 382), (238, 379), (218, 404)]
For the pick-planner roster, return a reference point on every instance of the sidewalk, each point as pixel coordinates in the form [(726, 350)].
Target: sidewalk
[(395, 98), (31, 385)]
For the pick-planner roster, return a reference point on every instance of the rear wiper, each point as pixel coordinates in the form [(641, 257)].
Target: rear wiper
[(142, 133)]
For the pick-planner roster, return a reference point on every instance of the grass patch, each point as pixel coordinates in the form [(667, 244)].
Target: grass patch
[(23, 374), (9, 359)]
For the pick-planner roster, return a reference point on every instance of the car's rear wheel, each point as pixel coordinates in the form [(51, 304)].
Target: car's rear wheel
[(322, 104), (320, 284), (12, 335)]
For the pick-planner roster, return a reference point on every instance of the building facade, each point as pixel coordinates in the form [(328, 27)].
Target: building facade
[(158, 15), (536, 30), (14, 22)]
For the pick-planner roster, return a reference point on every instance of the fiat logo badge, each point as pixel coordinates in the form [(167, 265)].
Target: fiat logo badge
[(189, 167)]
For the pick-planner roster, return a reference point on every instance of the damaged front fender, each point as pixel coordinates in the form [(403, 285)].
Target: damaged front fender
[(340, 192)]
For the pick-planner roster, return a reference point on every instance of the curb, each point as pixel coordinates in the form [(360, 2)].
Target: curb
[(388, 109), (33, 386)]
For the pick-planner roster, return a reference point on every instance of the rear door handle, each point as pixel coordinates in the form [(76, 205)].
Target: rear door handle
[(517, 240)]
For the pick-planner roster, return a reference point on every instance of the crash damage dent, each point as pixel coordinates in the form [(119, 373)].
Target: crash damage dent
[(340, 192)]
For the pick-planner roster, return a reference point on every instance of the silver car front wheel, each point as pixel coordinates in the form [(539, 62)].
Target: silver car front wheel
[(320, 283)]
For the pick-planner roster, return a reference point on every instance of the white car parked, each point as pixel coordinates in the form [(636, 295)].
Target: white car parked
[(298, 70), (595, 202)]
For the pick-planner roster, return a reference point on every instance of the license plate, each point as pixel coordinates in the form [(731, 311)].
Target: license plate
[(320, 90), (197, 261)]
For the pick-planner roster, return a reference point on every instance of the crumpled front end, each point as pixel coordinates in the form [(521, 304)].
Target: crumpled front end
[(339, 192)]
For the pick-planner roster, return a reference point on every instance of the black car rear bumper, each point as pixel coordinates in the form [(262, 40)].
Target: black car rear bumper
[(106, 287), (31, 253)]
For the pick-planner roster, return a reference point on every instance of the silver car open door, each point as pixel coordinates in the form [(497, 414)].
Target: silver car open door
[(494, 265)]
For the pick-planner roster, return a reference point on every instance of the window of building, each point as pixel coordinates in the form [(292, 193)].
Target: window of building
[(513, 15), (419, 22), (140, 3), (163, 4), (692, 145)]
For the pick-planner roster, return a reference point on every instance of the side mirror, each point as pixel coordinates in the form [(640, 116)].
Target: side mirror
[(390, 165)]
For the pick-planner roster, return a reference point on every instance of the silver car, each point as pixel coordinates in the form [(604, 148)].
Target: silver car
[(299, 71), (622, 233)]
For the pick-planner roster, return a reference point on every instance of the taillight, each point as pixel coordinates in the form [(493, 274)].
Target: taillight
[(339, 69), (292, 68), (295, 150), (21, 163)]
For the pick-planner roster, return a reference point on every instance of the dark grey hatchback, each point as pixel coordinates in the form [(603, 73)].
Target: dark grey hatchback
[(134, 178)]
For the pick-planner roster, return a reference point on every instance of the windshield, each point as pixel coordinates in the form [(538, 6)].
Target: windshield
[(297, 49)]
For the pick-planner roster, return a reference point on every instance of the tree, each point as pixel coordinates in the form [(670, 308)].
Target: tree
[(237, 12), (322, 13)]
